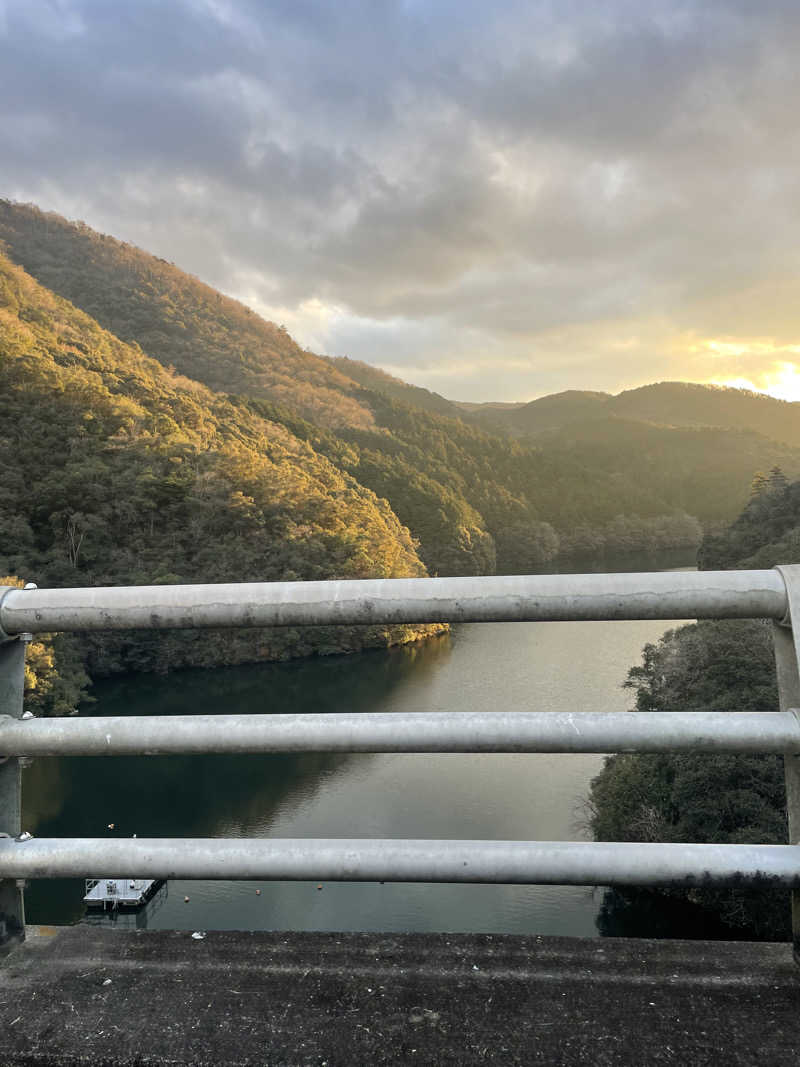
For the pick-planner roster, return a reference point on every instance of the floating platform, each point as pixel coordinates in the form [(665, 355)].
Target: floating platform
[(113, 893)]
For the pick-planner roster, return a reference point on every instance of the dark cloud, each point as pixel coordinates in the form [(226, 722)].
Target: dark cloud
[(456, 183)]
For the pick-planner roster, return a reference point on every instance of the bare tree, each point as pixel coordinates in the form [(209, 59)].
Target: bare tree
[(75, 534)]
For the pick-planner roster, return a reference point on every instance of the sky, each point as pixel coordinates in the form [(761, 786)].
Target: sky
[(495, 201)]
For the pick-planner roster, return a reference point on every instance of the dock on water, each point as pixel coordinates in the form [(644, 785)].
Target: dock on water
[(112, 893)]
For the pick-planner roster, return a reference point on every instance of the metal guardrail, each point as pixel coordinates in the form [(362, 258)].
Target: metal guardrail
[(521, 598), (373, 859), (772, 594), (721, 731)]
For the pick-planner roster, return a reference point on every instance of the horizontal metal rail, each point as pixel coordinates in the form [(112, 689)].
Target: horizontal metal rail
[(777, 732), (547, 597), (308, 859), (670, 595)]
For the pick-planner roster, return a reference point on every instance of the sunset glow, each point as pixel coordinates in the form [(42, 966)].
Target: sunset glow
[(781, 381)]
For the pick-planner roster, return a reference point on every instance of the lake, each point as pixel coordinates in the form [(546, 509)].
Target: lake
[(490, 667)]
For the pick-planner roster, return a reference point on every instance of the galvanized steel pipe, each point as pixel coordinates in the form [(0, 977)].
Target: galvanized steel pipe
[(777, 732), (302, 859), (544, 597)]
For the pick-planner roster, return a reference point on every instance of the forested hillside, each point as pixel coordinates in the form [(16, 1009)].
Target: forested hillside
[(175, 318), (115, 470), (767, 532), (722, 666), (664, 404), (380, 382), (537, 417), (475, 501), (697, 470), (689, 404)]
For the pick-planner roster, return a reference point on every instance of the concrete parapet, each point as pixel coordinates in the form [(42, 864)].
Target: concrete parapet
[(83, 995)]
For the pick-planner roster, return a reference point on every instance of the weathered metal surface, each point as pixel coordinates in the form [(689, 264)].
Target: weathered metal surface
[(356, 859), (4, 591), (548, 597), (418, 732), (787, 661), (12, 685)]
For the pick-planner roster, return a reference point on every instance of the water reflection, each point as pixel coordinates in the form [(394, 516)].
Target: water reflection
[(214, 795), (647, 913)]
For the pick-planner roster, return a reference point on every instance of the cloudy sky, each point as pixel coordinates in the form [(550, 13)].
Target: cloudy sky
[(493, 200)]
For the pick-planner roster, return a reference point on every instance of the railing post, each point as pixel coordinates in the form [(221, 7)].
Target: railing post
[(786, 634), (12, 685)]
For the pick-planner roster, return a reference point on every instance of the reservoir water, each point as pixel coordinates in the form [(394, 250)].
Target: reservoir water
[(500, 666)]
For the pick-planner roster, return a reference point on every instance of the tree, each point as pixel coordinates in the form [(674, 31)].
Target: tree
[(777, 480), (759, 485), (55, 681), (697, 797), (723, 666)]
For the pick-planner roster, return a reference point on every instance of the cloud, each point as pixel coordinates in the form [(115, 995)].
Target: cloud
[(505, 189)]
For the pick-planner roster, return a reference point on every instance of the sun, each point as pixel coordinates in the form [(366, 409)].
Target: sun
[(782, 381)]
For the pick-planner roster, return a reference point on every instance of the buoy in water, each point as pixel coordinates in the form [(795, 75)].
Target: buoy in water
[(185, 900)]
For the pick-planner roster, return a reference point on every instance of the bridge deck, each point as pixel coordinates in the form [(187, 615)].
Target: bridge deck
[(85, 995)]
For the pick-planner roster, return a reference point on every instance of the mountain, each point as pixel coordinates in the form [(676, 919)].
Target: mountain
[(177, 319), (380, 382), (116, 470), (688, 404), (539, 416), (698, 470), (474, 500), (665, 404), (461, 492)]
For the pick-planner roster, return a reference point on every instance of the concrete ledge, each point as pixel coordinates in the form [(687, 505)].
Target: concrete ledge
[(81, 995)]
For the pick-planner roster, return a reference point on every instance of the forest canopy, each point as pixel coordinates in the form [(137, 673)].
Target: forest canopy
[(118, 471)]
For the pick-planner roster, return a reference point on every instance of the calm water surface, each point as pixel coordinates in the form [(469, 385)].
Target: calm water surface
[(494, 667)]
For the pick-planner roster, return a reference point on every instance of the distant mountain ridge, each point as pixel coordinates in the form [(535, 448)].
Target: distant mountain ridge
[(669, 404)]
